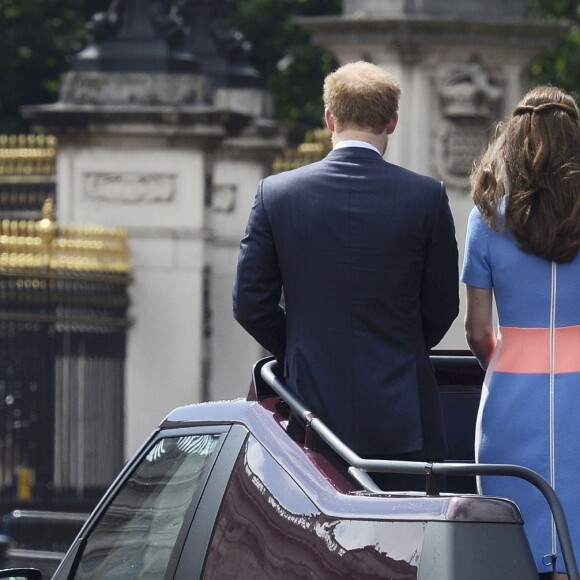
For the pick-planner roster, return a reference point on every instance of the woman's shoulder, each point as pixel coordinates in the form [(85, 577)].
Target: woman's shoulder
[(476, 222)]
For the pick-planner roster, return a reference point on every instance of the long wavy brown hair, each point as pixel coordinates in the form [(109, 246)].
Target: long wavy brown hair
[(529, 177)]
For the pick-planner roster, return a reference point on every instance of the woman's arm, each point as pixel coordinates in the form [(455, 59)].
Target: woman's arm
[(479, 329)]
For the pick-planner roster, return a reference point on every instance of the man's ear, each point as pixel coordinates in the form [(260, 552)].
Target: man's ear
[(329, 119), (392, 125)]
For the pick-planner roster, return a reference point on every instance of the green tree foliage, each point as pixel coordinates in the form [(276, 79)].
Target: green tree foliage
[(560, 66), (292, 66), (37, 41)]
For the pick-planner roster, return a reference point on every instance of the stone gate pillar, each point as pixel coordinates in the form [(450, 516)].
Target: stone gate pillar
[(154, 140)]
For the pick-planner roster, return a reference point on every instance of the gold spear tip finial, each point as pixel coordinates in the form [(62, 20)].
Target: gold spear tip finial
[(46, 227), (48, 209)]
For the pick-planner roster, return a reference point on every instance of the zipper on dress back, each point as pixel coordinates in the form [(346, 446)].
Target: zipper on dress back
[(552, 393)]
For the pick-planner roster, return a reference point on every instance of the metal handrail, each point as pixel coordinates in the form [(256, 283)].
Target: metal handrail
[(359, 465)]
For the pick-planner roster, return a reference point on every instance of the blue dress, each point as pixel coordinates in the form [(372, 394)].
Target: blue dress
[(528, 413)]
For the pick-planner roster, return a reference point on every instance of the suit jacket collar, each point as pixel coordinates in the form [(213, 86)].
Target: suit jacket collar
[(350, 153)]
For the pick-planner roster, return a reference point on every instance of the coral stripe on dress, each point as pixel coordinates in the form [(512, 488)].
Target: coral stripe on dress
[(527, 350)]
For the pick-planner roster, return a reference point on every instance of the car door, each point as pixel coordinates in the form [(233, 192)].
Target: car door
[(139, 528)]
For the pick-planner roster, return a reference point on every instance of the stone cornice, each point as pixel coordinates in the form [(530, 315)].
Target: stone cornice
[(422, 30), (196, 122)]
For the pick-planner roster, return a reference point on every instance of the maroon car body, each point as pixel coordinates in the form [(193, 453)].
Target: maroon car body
[(230, 490)]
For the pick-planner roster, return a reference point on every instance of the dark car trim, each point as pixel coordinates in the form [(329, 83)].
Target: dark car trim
[(28, 573), (200, 533), (192, 509)]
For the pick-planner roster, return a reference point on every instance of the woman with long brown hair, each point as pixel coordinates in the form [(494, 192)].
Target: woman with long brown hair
[(522, 250)]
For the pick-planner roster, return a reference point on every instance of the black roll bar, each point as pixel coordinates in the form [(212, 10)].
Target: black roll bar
[(360, 467)]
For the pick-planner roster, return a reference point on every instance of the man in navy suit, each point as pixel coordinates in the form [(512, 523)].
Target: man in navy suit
[(365, 254)]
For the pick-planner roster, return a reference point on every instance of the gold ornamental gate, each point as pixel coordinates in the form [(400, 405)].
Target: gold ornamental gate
[(63, 325)]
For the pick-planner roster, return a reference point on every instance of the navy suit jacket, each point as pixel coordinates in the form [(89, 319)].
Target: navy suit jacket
[(365, 255)]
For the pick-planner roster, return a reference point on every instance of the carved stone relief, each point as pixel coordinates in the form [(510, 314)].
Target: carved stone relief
[(133, 89), (129, 188), (223, 198), (469, 102)]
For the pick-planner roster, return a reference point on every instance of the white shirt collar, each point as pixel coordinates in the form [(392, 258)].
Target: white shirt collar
[(355, 143)]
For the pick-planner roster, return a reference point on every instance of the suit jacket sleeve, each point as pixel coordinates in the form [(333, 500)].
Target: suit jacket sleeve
[(440, 286), (258, 287)]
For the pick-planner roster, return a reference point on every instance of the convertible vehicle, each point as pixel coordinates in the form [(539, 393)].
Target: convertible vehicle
[(262, 489)]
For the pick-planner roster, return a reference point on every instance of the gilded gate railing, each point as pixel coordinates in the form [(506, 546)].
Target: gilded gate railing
[(315, 146), (63, 326), (27, 174)]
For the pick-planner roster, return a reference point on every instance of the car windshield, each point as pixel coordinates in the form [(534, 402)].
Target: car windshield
[(135, 536)]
